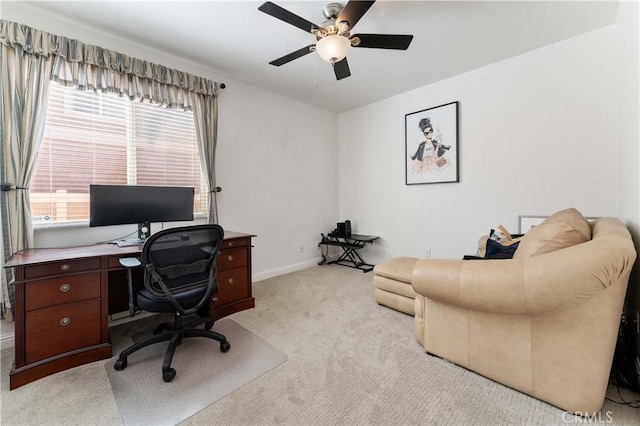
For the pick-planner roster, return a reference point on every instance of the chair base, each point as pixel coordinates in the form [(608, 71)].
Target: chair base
[(174, 335)]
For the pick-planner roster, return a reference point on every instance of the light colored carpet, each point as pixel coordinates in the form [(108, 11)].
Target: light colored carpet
[(350, 362), (204, 373)]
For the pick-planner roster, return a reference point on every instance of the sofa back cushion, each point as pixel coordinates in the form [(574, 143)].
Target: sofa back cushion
[(562, 229)]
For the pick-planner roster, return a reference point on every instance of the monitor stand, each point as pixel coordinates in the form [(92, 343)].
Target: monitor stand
[(144, 230)]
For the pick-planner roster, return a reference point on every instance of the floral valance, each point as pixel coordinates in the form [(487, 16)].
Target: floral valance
[(89, 67)]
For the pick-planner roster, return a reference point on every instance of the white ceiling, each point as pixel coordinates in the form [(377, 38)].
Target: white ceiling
[(234, 39)]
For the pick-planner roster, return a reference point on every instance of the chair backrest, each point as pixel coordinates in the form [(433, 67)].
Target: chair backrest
[(182, 259)]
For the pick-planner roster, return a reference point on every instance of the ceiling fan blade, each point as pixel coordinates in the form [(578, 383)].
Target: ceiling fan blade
[(284, 15), (291, 56), (353, 11), (384, 41), (341, 69)]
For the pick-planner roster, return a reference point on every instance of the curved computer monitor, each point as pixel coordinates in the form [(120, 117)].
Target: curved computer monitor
[(128, 204)]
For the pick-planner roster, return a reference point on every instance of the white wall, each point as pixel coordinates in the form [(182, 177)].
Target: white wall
[(537, 133), (628, 75), (278, 169), (628, 90), (276, 161)]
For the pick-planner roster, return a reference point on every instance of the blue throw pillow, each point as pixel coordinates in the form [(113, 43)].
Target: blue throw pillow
[(495, 250)]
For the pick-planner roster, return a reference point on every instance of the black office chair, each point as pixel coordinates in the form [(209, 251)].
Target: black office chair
[(180, 277)]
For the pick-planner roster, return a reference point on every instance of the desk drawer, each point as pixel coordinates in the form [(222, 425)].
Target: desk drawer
[(62, 328), (232, 286), (236, 242), (57, 268), (59, 290), (230, 259)]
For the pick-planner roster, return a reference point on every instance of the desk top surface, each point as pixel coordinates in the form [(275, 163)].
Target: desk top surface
[(53, 254), (355, 237)]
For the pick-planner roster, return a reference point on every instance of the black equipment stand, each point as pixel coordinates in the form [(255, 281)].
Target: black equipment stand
[(349, 245)]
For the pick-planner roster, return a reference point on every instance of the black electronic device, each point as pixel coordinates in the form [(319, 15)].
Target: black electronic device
[(129, 204), (344, 228)]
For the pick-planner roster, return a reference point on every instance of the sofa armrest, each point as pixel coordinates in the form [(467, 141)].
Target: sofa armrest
[(543, 283), (490, 285)]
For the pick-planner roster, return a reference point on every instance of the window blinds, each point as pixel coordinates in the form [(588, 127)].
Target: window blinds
[(99, 138)]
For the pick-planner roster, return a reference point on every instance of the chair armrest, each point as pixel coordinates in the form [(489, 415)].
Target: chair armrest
[(537, 284)]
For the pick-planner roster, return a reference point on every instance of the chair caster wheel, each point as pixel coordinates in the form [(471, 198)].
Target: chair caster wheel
[(208, 325), (120, 364), (168, 375), (225, 346)]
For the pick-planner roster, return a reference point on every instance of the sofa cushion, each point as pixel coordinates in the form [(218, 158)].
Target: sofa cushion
[(562, 229), (482, 246), (398, 269), (388, 285)]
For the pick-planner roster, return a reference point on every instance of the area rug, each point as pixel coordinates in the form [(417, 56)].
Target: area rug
[(204, 373)]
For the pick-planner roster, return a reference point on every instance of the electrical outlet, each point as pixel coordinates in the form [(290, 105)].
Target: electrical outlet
[(427, 252)]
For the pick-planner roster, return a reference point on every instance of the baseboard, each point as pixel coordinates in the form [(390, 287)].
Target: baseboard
[(284, 270)]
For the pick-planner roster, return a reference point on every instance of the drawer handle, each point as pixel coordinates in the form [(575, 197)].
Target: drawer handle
[(65, 287), (230, 243), (230, 281), (65, 267), (230, 258), (65, 321)]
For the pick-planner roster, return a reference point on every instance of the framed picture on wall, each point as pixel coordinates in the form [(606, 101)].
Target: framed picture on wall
[(431, 145), (525, 223)]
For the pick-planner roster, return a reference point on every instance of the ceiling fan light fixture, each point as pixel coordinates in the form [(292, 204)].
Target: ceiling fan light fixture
[(333, 48)]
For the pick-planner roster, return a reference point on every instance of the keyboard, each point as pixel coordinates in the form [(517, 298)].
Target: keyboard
[(130, 243)]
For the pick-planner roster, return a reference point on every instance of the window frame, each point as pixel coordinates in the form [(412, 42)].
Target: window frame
[(70, 95)]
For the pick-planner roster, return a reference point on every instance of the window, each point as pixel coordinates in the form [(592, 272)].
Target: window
[(105, 139), (96, 104)]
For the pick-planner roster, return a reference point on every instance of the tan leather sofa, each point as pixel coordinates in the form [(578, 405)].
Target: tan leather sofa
[(545, 322)]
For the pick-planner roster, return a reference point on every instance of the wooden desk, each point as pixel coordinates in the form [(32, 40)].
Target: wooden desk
[(63, 301)]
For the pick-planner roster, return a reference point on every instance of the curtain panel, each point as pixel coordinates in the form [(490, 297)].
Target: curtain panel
[(205, 118), (30, 60), (24, 87)]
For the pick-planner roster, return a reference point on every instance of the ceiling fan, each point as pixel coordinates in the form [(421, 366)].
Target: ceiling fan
[(333, 39)]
